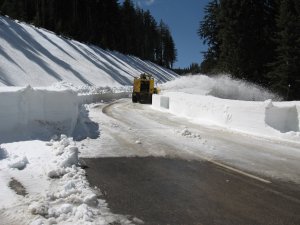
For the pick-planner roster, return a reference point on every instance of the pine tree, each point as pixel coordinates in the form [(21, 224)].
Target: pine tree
[(239, 36), (285, 75), (150, 36), (170, 53), (13, 8), (105, 23), (128, 31), (166, 52), (1, 3), (208, 31)]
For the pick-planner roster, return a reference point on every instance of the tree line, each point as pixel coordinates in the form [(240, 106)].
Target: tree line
[(105, 23), (258, 41), (192, 69)]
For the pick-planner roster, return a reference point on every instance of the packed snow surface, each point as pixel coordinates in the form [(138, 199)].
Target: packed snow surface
[(221, 86), (29, 55)]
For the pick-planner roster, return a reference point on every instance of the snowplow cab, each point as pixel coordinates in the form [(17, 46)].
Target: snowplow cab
[(143, 89)]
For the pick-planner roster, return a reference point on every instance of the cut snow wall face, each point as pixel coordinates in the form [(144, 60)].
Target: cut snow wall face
[(283, 119), (160, 101), (156, 101), (164, 102), (36, 114)]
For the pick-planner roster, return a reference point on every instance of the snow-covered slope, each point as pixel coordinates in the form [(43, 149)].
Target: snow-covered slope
[(40, 58)]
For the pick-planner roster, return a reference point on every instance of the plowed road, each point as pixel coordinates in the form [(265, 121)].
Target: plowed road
[(166, 170)]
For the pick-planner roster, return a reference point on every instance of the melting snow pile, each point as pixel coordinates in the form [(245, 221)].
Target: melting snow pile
[(222, 86), (27, 113), (57, 191)]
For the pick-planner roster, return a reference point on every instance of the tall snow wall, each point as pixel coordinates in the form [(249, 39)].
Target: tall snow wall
[(266, 118), (36, 113)]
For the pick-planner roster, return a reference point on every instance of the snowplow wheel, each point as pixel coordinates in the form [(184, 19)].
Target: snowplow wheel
[(134, 99)]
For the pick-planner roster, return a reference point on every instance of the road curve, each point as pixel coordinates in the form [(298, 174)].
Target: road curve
[(162, 135), (213, 177)]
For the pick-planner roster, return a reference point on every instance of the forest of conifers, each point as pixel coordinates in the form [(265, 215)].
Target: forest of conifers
[(258, 41), (255, 40), (106, 23)]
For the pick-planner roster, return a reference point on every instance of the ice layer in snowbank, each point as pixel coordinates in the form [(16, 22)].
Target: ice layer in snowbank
[(266, 118), (36, 113)]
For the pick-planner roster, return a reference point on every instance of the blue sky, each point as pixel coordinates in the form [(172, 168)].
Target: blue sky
[(183, 18)]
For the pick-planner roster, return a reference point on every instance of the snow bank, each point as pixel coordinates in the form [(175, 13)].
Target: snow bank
[(57, 191), (267, 118), (221, 86), (90, 90), (40, 113), (36, 113), (103, 97), (92, 94)]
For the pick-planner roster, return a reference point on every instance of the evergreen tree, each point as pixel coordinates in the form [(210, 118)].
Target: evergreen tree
[(208, 31), (105, 23), (239, 36), (150, 36), (285, 74), (165, 52), (170, 53), (128, 31), (14, 8), (245, 38), (194, 68)]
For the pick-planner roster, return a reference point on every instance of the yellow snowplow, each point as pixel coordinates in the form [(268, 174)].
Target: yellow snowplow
[(143, 89)]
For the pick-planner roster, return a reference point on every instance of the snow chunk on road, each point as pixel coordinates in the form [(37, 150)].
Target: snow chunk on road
[(37, 208), (187, 133), (138, 142), (19, 163), (91, 200), (70, 157)]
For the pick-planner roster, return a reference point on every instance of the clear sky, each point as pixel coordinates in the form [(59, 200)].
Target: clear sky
[(183, 18)]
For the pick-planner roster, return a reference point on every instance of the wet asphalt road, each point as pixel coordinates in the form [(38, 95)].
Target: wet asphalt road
[(175, 191)]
